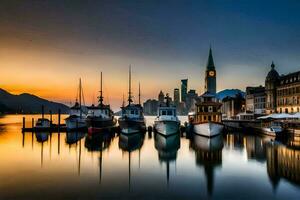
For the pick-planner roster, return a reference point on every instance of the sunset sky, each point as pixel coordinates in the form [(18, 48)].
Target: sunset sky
[(46, 46)]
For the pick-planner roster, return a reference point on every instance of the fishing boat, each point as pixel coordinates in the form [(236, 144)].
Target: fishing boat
[(77, 118), (166, 122), (206, 120), (42, 123), (132, 117), (100, 117)]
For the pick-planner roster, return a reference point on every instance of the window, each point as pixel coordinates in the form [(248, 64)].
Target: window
[(163, 112), (132, 112), (136, 112), (204, 118), (209, 118), (170, 112), (210, 109)]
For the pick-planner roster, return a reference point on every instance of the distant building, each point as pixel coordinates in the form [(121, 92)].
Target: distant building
[(176, 96), (232, 106), (210, 75), (256, 100), (184, 86), (282, 92), (161, 97), (150, 107), (191, 98)]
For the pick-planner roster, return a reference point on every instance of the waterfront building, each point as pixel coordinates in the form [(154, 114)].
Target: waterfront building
[(150, 107), (161, 97), (282, 92), (231, 106), (256, 100), (210, 75), (176, 96), (184, 86)]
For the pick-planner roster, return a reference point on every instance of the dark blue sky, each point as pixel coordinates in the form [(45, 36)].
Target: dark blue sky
[(165, 36)]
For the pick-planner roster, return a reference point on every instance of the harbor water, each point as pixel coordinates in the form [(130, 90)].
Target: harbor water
[(145, 166)]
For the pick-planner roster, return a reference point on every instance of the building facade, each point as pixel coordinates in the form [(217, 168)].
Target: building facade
[(176, 96), (161, 97), (231, 106), (184, 86), (282, 92), (150, 107), (191, 99), (256, 100), (210, 75)]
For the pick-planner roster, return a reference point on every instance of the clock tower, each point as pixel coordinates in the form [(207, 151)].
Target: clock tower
[(210, 75)]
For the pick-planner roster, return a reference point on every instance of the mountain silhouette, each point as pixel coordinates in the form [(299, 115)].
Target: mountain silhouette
[(27, 103)]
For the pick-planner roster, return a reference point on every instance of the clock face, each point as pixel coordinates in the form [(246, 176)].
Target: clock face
[(211, 73)]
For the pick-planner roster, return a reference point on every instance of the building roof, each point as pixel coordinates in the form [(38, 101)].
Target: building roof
[(210, 62), (273, 74)]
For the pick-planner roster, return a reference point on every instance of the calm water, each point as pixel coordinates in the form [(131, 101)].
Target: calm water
[(68, 166)]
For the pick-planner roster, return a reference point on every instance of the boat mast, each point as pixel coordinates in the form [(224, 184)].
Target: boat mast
[(129, 92), (139, 93), (101, 97), (80, 97)]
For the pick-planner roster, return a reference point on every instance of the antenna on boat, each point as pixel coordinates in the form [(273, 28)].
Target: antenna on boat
[(129, 87), (123, 103), (80, 97), (139, 93), (101, 96)]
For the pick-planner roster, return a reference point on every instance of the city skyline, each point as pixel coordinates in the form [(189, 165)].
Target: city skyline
[(45, 51)]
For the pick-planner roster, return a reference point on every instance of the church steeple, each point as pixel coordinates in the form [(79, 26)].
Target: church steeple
[(210, 62)]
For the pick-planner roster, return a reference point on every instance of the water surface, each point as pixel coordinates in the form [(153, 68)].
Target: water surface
[(111, 166)]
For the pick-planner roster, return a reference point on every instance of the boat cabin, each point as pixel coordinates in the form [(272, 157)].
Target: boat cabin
[(166, 111), (100, 111), (132, 111), (208, 109)]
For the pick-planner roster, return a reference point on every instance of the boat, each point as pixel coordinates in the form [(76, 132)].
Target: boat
[(269, 127), (206, 120), (132, 117), (77, 118), (42, 123), (166, 122), (100, 117)]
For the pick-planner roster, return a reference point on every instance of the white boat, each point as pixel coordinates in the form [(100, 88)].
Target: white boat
[(132, 119), (77, 118), (270, 128), (167, 122), (42, 123), (206, 120)]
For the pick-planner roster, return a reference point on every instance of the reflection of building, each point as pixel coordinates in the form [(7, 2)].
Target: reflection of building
[(176, 96), (191, 100), (231, 106), (150, 107), (184, 86), (256, 148), (282, 92), (255, 100), (283, 162), (210, 75)]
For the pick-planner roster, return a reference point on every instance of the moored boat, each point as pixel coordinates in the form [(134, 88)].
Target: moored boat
[(77, 118), (42, 123), (206, 120), (100, 117), (132, 118), (167, 122)]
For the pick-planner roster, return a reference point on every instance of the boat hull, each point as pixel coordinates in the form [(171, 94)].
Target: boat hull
[(131, 126), (209, 129), (75, 123), (96, 124), (167, 127)]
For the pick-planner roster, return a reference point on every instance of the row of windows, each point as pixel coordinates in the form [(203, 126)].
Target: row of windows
[(132, 112), (290, 80), (292, 110), (167, 112), (207, 109), (288, 91), (289, 101), (205, 118)]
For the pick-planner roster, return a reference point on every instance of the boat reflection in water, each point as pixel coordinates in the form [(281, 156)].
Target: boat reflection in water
[(42, 136), (130, 143), (74, 137), (208, 155), (167, 148), (99, 142)]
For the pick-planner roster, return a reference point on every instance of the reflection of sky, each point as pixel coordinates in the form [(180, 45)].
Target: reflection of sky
[(58, 176), (47, 45)]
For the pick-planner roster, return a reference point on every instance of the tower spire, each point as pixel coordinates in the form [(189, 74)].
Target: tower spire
[(210, 62)]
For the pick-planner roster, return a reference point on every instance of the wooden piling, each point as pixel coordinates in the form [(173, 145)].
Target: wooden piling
[(50, 118), (58, 120), (23, 123), (32, 123)]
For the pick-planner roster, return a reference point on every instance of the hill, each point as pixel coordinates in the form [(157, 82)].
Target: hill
[(229, 92), (27, 103)]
